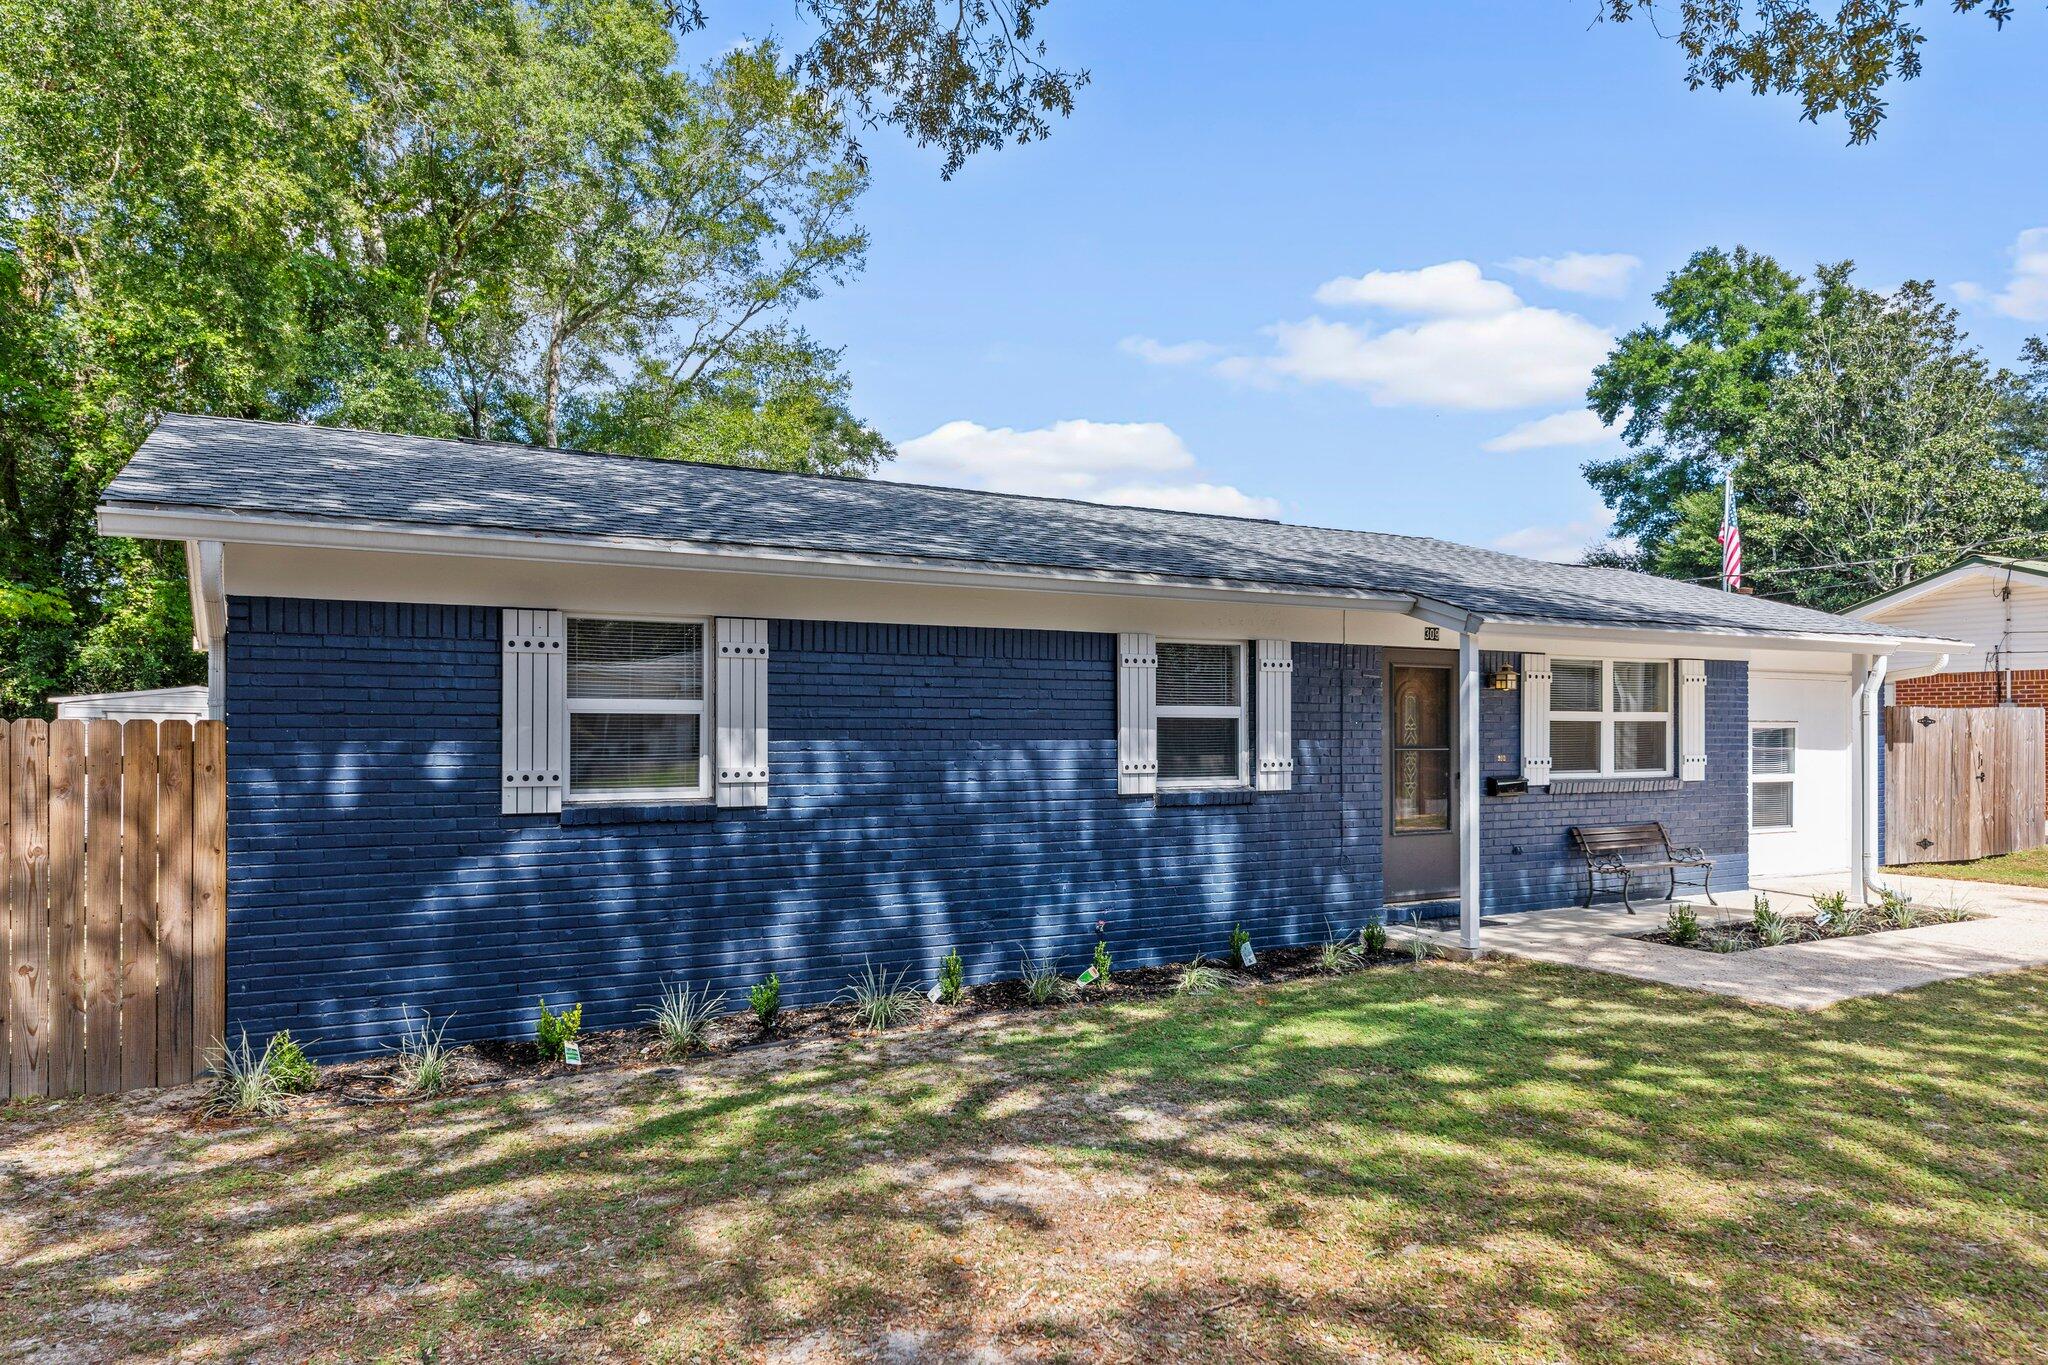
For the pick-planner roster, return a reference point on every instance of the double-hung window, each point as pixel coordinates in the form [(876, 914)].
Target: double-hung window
[(1201, 714), (636, 710), (1773, 757), (1610, 718)]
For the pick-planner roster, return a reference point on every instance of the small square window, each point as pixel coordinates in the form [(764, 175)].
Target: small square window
[(1199, 698), (636, 710), (1773, 775)]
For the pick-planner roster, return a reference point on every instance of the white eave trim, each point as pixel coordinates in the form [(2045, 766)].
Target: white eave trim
[(206, 580)]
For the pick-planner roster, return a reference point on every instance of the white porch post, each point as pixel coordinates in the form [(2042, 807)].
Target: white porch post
[(1865, 847), (1468, 790)]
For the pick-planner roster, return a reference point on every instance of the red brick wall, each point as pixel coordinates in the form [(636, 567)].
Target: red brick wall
[(2027, 687)]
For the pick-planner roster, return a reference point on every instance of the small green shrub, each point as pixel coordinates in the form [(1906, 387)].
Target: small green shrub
[(245, 1081), (1239, 941), (1373, 938), (1683, 924), (1043, 984), (1336, 957), (295, 1071), (551, 1031), (765, 999), (880, 1000), (683, 1016), (1898, 911), (1102, 962), (1763, 917), (423, 1057), (1831, 902), (952, 978), (1199, 978)]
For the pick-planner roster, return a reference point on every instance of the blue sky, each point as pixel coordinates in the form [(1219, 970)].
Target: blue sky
[(1213, 285)]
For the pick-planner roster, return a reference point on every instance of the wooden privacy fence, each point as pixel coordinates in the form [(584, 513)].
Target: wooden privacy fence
[(114, 931), (1962, 782)]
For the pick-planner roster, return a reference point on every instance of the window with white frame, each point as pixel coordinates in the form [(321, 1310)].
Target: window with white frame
[(636, 710), (1773, 759), (1201, 714), (1610, 718)]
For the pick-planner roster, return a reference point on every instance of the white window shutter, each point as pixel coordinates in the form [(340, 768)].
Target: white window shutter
[(1275, 704), (1137, 726), (535, 712), (741, 697), (1692, 720), (1536, 719)]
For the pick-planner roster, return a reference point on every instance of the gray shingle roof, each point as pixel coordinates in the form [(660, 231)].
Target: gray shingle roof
[(220, 464)]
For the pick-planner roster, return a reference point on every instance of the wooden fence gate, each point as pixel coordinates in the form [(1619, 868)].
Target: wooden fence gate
[(1962, 782), (114, 931)]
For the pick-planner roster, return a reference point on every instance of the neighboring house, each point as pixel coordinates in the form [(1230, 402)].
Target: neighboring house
[(507, 722), (155, 703), (1997, 609)]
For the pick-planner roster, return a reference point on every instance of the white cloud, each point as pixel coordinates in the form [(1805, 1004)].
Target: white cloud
[(1473, 344), (1452, 289), (2025, 295), (1578, 427), (1514, 359), (1143, 464), (1564, 544), (1154, 352), (1604, 274)]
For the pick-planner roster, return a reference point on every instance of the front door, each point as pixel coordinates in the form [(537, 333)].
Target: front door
[(1421, 731)]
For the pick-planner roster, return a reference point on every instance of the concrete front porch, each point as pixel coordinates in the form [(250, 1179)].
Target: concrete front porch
[(2010, 935)]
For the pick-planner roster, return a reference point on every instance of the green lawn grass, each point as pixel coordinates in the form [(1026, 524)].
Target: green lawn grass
[(1493, 1162), (2028, 867)]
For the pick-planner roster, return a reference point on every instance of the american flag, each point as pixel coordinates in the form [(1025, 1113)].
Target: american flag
[(1730, 538)]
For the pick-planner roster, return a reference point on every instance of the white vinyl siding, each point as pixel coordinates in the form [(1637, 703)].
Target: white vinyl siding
[(1773, 776), (636, 704), (1200, 714), (1610, 718)]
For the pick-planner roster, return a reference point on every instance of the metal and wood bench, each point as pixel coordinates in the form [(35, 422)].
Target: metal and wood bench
[(1618, 854)]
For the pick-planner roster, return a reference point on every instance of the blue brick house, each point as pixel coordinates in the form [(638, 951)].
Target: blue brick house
[(509, 722)]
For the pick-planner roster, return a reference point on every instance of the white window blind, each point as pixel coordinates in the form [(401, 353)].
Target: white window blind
[(1608, 718), (1201, 714), (1137, 760), (1275, 716), (742, 712), (635, 701), (1773, 761), (533, 722)]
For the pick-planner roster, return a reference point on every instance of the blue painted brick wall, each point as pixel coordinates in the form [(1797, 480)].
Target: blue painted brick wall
[(933, 788), (1526, 844)]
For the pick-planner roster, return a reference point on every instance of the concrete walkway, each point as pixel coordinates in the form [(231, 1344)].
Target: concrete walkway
[(2011, 935)]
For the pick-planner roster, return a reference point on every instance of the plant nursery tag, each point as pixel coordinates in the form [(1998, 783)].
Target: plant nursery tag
[(934, 993), (1089, 977), (572, 1054), (1244, 955)]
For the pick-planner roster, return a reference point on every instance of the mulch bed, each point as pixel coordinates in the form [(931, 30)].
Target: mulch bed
[(1740, 936), (500, 1061)]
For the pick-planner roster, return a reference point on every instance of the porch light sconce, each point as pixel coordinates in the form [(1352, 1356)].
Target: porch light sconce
[(1505, 678)]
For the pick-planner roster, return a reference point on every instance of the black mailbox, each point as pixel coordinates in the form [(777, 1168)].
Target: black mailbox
[(1507, 786)]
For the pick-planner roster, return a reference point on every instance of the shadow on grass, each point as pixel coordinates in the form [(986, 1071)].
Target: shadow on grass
[(1456, 1159)]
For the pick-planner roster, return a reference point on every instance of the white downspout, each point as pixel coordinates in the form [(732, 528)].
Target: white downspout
[(1869, 705), (1468, 789)]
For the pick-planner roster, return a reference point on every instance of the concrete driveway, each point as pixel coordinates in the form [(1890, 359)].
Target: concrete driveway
[(2010, 935)]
